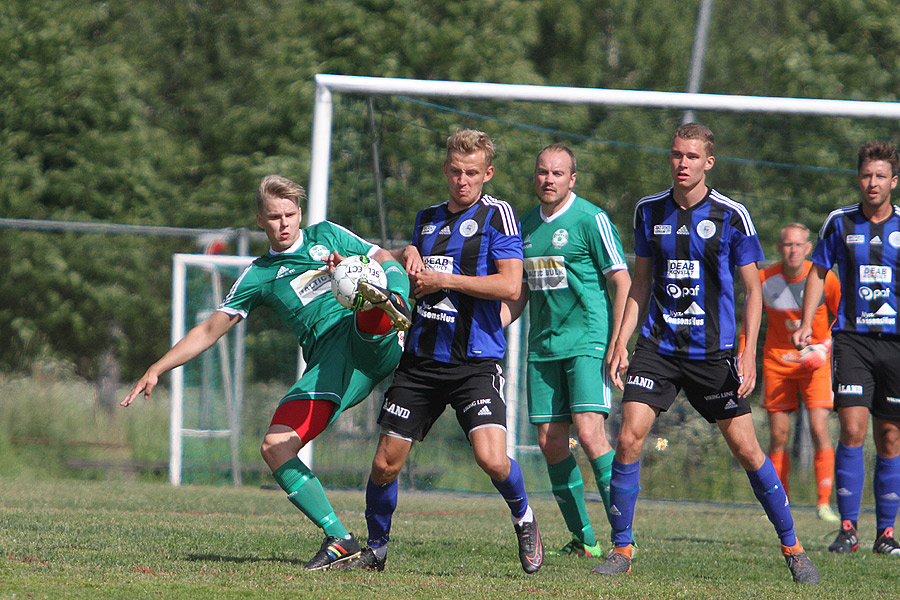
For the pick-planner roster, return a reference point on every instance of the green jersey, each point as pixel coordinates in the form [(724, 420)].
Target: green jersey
[(567, 257), (296, 284)]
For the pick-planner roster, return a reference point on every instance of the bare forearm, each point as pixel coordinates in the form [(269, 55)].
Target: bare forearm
[(812, 294), (752, 320), (620, 283), (635, 300), (505, 284), (488, 287)]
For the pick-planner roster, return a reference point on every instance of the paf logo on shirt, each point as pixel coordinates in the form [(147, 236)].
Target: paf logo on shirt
[(683, 269)]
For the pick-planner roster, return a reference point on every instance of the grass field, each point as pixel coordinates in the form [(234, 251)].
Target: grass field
[(88, 539)]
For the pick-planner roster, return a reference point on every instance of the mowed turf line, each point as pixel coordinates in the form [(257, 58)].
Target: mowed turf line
[(78, 539)]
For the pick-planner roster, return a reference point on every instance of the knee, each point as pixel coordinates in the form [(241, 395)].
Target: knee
[(750, 456), (821, 438), (853, 434), (594, 442), (496, 466), (267, 449), (629, 445), (554, 448), (384, 470)]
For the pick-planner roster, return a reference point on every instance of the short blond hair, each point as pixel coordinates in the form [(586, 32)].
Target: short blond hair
[(276, 186), (468, 141), (798, 226)]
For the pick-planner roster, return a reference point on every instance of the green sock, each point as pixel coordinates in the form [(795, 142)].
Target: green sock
[(306, 493), (397, 279), (602, 467), (568, 489)]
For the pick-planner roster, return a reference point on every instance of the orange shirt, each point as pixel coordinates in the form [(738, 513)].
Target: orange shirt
[(783, 301)]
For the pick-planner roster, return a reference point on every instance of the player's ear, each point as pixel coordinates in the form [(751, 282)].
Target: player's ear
[(710, 161)]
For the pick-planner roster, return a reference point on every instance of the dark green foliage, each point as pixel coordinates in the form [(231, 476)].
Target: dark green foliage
[(168, 112)]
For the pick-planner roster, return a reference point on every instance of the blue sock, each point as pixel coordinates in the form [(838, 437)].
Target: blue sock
[(849, 476), (768, 490), (381, 501), (513, 490), (887, 491), (624, 487)]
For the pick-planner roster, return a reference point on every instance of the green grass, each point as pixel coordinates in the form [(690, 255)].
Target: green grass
[(87, 539)]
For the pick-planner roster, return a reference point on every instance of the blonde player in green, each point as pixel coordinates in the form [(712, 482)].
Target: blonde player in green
[(346, 353), (573, 257)]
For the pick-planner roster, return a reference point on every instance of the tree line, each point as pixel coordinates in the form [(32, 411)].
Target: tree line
[(168, 112)]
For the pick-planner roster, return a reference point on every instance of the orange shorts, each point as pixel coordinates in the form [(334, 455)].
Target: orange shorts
[(782, 393)]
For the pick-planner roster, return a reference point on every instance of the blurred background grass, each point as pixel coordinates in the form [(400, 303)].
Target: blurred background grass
[(52, 426)]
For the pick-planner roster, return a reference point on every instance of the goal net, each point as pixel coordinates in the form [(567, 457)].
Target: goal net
[(377, 159)]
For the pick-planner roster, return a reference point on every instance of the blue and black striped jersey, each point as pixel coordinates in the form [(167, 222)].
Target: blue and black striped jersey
[(449, 326), (694, 253), (868, 262)]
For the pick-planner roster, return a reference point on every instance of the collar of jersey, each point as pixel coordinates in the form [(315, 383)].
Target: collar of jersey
[(709, 191), (566, 206)]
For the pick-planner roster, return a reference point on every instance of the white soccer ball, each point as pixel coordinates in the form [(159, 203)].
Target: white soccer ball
[(346, 275)]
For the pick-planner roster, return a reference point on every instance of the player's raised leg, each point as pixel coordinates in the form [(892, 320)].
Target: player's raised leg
[(391, 300)]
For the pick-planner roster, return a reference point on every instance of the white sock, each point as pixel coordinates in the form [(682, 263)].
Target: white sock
[(528, 517)]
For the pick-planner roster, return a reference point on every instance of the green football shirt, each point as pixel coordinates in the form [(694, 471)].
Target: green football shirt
[(296, 284), (567, 256)]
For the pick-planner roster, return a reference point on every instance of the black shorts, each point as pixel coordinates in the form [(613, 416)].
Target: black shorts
[(423, 387), (867, 373), (710, 385)]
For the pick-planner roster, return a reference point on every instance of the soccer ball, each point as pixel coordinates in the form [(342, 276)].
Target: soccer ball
[(346, 275)]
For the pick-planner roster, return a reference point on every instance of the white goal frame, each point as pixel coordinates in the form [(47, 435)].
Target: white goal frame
[(327, 85)]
